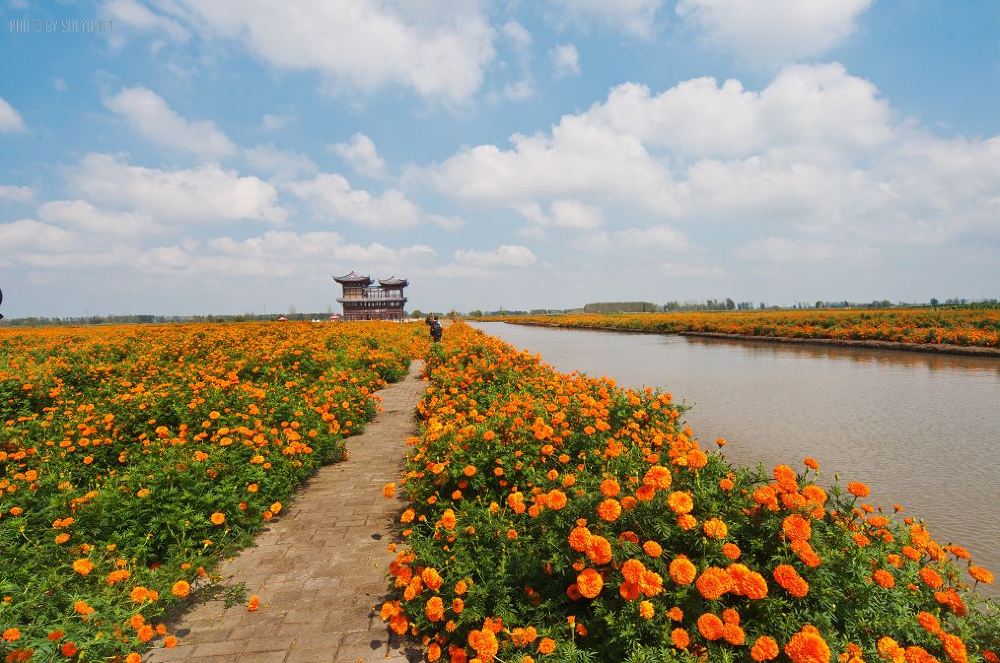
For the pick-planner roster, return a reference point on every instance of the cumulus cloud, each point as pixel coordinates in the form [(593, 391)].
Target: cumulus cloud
[(28, 234), (565, 60), (205, 194), (10, 119), (272, 122), (520, 42), (564, 214), (440, 53), (331, 195), (361, 155), (15, 193), (656, 238), (148, 113), (635, 17), (772, 32), (80, 215), (506, 255)]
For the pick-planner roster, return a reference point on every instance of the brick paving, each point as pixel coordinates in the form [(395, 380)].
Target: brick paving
[(320, 569)]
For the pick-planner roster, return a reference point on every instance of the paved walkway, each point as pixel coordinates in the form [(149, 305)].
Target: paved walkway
[(320, 569)]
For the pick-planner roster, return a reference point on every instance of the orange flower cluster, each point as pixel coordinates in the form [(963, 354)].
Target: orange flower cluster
[(978, 327), (131, 457), (592, 518)]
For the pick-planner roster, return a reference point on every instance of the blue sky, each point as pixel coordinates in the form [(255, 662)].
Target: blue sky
[(171, 156)]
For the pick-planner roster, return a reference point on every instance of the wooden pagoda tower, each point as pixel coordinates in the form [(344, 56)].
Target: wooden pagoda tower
[(362, 300)]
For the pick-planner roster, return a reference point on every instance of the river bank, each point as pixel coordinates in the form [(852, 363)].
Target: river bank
[(871, 344)]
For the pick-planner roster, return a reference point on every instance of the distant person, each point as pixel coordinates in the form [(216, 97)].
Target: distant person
[(1, 302), (436, 330)]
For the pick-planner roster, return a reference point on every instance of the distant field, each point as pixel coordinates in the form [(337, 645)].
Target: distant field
[(917, 326)]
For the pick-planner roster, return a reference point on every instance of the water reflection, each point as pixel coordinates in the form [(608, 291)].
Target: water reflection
[(923, 430)]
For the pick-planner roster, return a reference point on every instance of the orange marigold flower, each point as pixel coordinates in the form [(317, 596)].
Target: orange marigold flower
[(12, 634), (599, 550), (675, 614), (682, 571), (448, 519), (890, 650), (133, 657), (646, 610), (657, 477), (790, 580), (686, 521), (651, 583), (578, 538), (145, 633), (633, 570), (680, 502), (652, 548), (82, 608), (764, 649), (170, 641), (434, 609), (954, 648), (713, 583), (610, 488), (785, 476), (253, 604), (928, 622), (731, 550), (218, 518), (83, 566), (609, 510), (981, 575), (589, 583), (680, 638), (556, 499), (796, 528), (68, 649), (811, 463), (547, 646), (884, 579), (733, 634), (180, 589), (432, 579), (710, 626), (715, 528), (389, 489), (629, 590), (807, 646), (931, 577), (858, 489)]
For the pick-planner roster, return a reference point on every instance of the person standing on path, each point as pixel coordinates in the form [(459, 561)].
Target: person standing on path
[(436, 329)]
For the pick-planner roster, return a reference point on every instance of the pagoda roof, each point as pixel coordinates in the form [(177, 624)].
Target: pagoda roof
[(392, 280), (353, 279)]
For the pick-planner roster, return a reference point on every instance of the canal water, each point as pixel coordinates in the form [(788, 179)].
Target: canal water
[(923, 430)]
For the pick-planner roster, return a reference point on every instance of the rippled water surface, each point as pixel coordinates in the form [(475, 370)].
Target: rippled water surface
[(922, 430)]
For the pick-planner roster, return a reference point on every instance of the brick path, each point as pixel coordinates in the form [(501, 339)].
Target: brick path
[(320, 569)]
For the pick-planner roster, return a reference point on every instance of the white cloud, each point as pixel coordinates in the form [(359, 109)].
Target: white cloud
[(329, 194), (807, 108), (82, 216), (15, 193), (283, 164), (446, 222), (274, 122), (506, 255), (565, 60), (27, 234), (785, 250), (438, 52), (656, 238), (520, 39), (10, 120), (772, 32), (206, 194), (635, 17), (362, 156), (140, 18), (691, 270), (150, 115), (59, 85), (564, 214)]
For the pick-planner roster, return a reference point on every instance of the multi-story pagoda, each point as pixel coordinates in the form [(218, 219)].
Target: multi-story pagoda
[(364, 301)]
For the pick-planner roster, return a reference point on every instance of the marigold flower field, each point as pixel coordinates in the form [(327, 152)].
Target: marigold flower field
[(919, 326), (561, 518), (134, 458)]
